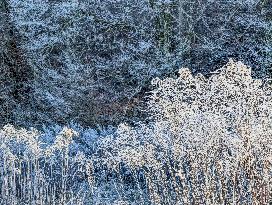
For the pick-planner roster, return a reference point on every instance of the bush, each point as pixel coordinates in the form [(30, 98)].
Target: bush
[(209, 141)]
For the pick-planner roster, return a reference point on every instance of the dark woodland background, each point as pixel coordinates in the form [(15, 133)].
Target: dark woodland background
[(92, 61)]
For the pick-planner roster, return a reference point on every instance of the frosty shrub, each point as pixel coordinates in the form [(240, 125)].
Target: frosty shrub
[(208, 142), (224, 126)]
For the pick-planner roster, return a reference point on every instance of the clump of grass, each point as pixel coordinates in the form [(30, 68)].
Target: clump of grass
[(32, 175)]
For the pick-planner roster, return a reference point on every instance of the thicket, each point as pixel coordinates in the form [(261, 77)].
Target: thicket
[(208, 141)]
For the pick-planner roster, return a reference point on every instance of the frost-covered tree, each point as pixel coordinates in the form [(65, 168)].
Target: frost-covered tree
[(209, 140)]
